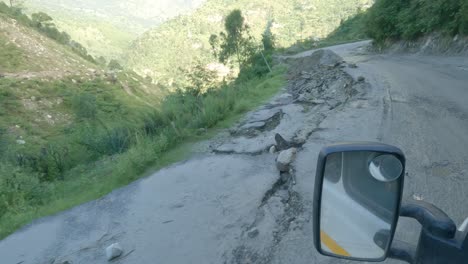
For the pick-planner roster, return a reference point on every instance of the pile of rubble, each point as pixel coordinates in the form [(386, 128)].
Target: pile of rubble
[(320, 79)]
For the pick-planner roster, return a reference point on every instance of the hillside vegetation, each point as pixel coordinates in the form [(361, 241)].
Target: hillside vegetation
[(165, 52), (107, 27), (410, 19), (389, 21), (72, 130)]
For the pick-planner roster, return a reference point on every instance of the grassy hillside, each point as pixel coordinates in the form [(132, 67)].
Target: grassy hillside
[(164, 52), (107, 27), (26, 49), (52, 101), (72, 131), (99, 37)]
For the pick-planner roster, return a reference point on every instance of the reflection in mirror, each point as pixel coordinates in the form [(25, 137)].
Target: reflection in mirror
[(360, 196)]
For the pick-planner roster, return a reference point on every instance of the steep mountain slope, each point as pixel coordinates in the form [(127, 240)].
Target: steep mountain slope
[(47, 91), (107, 27), (33, 52), (183, 41)]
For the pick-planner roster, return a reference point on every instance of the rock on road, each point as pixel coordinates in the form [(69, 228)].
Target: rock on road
[(226, 207)]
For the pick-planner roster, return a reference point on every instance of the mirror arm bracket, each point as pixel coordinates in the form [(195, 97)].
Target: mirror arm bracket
[(402, 251), (432, 219)]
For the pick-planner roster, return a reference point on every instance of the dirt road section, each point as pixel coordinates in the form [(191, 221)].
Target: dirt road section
[(230, 204)]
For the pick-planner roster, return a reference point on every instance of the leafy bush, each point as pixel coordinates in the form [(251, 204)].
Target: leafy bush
[(463, 17), (114, 65), (52, 162), (153, 123), (108, 141), (20, 190), (84, 106)]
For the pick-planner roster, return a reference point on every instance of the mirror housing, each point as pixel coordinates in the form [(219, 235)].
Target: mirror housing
[(369, 184)]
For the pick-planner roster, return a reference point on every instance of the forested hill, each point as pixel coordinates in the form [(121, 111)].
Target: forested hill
[(107, 27), (164, 52), (408, 20)]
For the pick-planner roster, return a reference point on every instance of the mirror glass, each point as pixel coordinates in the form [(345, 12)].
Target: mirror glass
[(360, 194)]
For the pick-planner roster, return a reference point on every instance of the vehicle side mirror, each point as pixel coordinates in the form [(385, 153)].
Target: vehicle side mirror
[(357, 196)]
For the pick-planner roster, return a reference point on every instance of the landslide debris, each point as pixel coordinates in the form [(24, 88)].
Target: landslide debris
[(317, 85)]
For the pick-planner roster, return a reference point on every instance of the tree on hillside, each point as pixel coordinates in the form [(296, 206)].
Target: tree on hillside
[(268, 39), (463, 17), (42, 19), (236, 41), (114, 65), (214, 43)]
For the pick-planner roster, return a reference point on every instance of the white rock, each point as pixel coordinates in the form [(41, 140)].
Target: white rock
[(113, 251), (272, 149), (20, 141), (285, 158)]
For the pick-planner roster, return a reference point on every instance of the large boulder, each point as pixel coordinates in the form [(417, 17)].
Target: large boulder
[(281, 143), (285, 158)]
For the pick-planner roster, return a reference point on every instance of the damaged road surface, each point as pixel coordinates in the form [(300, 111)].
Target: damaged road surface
[(248, 198)]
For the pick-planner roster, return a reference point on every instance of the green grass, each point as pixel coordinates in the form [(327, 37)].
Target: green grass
[(175, 132), (11, 57)]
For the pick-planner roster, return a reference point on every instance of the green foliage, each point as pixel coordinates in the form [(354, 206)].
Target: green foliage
[(51, 162), (42, 23), (114, 65), (199, 80), (268, 39), (462, 17), (184, 41), (96, 151), (107, 141), (19, 190), (11, 57), (41, 19), (84, 106), (101, 61), (236, 41), (409, 19), (254, 62)]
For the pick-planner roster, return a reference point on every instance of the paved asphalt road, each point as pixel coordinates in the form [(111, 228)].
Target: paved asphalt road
[(198, 211)]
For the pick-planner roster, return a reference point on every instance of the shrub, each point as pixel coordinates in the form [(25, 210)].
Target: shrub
[(108, 141), (20, 190), (52, 162), (114, 65), (463, 18), (84, 106), (153, 123)]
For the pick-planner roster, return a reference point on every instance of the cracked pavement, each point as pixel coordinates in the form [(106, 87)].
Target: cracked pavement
[(229, 204)]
